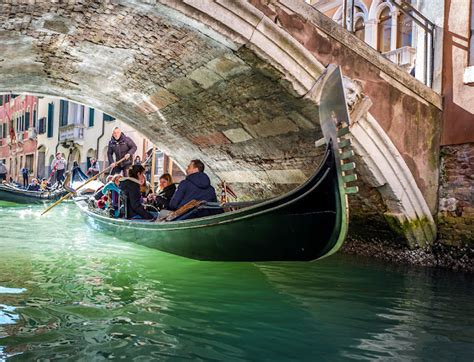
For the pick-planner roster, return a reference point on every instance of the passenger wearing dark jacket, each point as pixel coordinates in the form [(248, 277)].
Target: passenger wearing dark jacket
[(161, 200), (130, 187), (196, 186), (121, 146)]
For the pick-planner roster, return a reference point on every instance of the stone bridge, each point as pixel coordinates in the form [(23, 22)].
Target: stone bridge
[(235, 83)]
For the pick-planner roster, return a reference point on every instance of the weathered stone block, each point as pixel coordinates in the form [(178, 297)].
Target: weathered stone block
[(182, 87), (228, 66), (162, 98), (205, 77), (275, 127), (237, 135)]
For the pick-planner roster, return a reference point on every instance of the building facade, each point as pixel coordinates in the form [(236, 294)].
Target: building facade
[(33, 129), (18, 119), (408, 32), (81, 133)]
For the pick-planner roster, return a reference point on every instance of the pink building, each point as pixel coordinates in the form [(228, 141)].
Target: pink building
[(18, 116)]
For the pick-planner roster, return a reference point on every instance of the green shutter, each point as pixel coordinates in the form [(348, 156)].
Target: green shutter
[(91, 117), (27, 120), (50, 119)]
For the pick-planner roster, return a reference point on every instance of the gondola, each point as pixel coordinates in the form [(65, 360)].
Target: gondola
[(305, 224), (13, 193)]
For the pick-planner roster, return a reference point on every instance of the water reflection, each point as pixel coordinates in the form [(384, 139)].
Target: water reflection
[(72, 293)]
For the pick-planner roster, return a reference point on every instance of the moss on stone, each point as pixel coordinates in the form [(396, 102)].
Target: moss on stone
[(407, 228)]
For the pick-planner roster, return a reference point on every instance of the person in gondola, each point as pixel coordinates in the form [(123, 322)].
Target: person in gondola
[(120, 146), (34, 185), (164, 193), (45, 186), (145, 187), (59, 166), (94, 168), (196, 186), (130, 187), (25, 173), (3, 171), (110, 196), (137, 161)]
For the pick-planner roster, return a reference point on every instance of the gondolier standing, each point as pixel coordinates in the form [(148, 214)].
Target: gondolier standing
[(59, 164), (25, 173), (121, 146), (3, 172)]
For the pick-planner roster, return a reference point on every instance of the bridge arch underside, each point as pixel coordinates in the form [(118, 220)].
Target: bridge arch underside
[(241, 96), (196, 95)]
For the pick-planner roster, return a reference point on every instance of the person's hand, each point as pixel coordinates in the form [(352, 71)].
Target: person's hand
[(127, 156), (112, 165)]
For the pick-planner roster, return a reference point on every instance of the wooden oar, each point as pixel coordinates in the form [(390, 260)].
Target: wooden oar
[(65, 197)]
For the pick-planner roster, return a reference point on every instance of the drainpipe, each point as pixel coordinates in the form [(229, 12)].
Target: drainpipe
[(98, 140)]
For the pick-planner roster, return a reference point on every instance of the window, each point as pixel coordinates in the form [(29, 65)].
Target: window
[(1, 130), (27, 120), (404, 30), (29, 162), (35, 115), (50, 119), (1, 100), (63, 112), (108, 118), (42, 125), (91, 117), (384, 31)]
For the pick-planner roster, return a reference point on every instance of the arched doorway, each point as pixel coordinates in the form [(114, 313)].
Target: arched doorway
[(90, 154), (74, 156), (41, 163)]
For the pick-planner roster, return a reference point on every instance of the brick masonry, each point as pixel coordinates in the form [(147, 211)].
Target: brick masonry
[(456, 195)]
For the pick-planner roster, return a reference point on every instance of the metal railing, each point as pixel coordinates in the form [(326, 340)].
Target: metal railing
[(428, 28)]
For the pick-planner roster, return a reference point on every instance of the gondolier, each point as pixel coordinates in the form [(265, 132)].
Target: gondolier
[(3, 171), (121, 146), (59, 164), (25, 173)]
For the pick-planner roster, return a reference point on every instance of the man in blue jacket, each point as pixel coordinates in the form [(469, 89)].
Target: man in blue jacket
[(196, 186)]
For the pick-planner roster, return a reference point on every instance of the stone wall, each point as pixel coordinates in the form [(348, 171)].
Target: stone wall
[(456, 195), (408, 111)]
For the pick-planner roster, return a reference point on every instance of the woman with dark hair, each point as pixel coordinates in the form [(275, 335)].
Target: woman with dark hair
[(137, 161), (165, 192), (130, 187)]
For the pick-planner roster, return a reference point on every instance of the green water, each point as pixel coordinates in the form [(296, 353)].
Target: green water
[(71, 293)]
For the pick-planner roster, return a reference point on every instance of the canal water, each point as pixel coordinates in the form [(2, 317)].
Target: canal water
[(71, 293)]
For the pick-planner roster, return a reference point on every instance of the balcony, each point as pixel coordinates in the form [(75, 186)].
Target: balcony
[(32, 133), (404, 57), (71, 132)]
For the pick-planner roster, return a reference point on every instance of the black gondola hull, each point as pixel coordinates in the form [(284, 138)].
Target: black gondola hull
[(303, 225)]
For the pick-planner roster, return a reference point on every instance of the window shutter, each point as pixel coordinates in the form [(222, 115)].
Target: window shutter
[(91, 117), (27, 120), (50, 119)]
